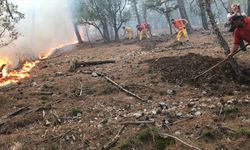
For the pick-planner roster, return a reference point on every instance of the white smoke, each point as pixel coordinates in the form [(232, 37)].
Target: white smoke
[(47, 24)]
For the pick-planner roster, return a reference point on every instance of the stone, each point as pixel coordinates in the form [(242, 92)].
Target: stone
[(179, 114), (94, 74), (177, 133), (59, 73), (204, 92), (171, 92), (193, 109), (191, 104), (163, 105), (211, 106), (99, 126), (198, 113), (47, 123), (137, 115), (246, 101), (34, 84)]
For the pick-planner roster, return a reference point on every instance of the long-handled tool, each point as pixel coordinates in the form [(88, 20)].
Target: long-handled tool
[(221, 62)]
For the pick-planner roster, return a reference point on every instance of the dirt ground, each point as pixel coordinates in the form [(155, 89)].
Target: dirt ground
[(81, 110)]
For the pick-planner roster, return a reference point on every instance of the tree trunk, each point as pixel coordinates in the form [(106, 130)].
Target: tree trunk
[(221, 39), (78, 35), (144, 11), (136, 11), (116, 34), (169, 22), (203, 15), (106, 35), (183, 14), (248, 7)]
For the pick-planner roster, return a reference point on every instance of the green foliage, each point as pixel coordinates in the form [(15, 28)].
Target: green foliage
[(145, 136), (75, 111), (229, 109), (125, 145), (9, 17), (163, 143), (208, 132), (161, 6), (245, 132)]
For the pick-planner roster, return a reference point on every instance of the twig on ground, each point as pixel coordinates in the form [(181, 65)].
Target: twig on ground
[(138, 122), (165, 135), (121, 88), (81, 89), (115, 139)]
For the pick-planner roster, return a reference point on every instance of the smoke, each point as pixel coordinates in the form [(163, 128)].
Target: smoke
[(47, 24)]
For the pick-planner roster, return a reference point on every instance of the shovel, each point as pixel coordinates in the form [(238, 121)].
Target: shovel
[(221, 62)]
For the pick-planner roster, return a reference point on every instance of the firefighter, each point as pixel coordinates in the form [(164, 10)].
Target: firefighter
[(129, 32), (241, 32), (180, 24), (143, 28)]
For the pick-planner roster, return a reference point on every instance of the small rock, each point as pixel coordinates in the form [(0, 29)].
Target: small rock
[(67, 137), (204, 93), (59, 73), (191, 104), (230, 102), (246, 101), (47, 123), (209, 100), (153, 112), (177, 133), (171, 92), (163, 105), (211, 106), (179, 114), (34, 84), (79, 115), (193, 109), (198, 113), (137, 115), (94, 74), (99, 126), (203, 105), (73, 137)]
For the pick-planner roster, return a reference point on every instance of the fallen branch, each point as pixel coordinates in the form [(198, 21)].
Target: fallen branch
[(138, 122), (121, 88), (56, 137), (75, 64), (115, 139), (4, 118), (165, 135), (42, 107), (179, 121)]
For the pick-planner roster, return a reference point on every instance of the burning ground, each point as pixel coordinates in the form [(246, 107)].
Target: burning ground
[(55, 108)]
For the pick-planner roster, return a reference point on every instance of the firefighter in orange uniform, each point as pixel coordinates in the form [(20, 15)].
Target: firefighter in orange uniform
[(180, 24), (143, 31)]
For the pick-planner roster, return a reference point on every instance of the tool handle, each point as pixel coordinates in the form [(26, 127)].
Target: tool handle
[(221, 62)]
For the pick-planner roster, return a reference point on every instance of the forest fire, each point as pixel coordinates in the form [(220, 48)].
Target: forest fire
[(45, 54), (14, 76)]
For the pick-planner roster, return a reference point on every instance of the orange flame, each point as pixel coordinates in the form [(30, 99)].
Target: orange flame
[(47, 53), (15, 76)]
